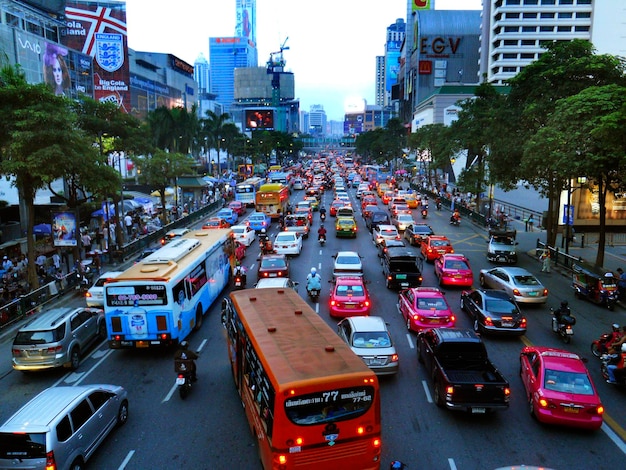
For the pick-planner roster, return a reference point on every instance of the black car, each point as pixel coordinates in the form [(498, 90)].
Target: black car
[(417, 233), (384, 245), (273, 266), (377, 218), (493, 311)]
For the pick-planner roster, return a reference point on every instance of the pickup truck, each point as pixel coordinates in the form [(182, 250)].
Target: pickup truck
[(464, 377), (401, 267), (501, 246)]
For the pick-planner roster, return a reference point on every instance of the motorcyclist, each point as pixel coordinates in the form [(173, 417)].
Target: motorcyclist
[(562, 311), (438, 203), (240, 271), (313, 281), (455, 217), (616, 362), (616, 339), (321, 232), (265, 242), (184, 360), (322, 212)]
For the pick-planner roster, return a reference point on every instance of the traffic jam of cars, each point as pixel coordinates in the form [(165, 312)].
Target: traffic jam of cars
[(378, 227)]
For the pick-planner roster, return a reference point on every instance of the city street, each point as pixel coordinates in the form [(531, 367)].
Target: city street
[(209, 429)]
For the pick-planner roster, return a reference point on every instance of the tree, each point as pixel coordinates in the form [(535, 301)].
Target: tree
[(213, 130), (586, 134), (161, 168), (39, 138), (565, 69), (433, 144)]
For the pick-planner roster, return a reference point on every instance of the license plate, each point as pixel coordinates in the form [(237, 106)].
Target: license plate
[(273, 275), (532, 294), (349, 306), (457, 276), (434, 320), (501, 258), (569, 331), (570, 409), (180, 381), (142, 344), (376, 362), (404, 284), (401, 276), (479, 410), (507, 324)]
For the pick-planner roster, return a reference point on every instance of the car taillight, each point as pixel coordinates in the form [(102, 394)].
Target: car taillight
[(366, 303), (522, 323), (488, 321), (333, 303), (596, 410), (545, 292), (50, 461), (54, 350), (516, 292)]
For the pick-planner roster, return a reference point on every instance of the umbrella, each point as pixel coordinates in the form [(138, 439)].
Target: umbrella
[(42, 229)]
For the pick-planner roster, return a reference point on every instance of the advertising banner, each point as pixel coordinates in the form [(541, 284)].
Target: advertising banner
[(64, 228), (246, 20), (98, 29), (421, 5)]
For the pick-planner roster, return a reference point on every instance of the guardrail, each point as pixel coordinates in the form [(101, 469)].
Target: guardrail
[(34, 301), (557, 257)]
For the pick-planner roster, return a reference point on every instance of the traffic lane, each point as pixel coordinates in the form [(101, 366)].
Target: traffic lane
[(202, 431)]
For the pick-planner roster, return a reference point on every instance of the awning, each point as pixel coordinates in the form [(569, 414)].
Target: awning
[(191, 182)]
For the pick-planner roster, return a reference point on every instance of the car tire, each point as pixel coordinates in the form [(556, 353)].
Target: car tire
[(74, 358), (437, 394), (77, 464), (531, 407), (476, 325), (199, 318), (102, 330), (481, 280), (462, 304), (122, 413)]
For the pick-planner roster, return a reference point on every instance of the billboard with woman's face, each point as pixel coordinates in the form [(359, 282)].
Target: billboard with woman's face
[(64, 232)]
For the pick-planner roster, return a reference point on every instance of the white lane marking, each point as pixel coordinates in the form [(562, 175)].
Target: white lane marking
[(126, 460), (94, 367), (452, 464), (410, 340), (73, 377), (204, 341), (319, 266), (429, 397), (170, 393), (614, 437), (317, 307)]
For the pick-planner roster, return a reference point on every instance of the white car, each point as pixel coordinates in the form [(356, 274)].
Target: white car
[(384, 232), (347, 263), (276, 282), (298, 184), (288, 243), (402, 221), (523, 286), (244, 234), (95, 295)]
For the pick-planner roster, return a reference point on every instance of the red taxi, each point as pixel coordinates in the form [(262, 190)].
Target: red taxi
[(425, 307), (435, 246), (237, 206), (215, 222), (335, 206), (349, 297), (454, 270), (559, 389)]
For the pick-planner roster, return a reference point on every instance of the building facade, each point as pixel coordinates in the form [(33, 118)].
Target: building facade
[(201, 73), (395, 37), (317, 120)]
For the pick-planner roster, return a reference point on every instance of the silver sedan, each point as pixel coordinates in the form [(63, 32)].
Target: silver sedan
[(517, 282)]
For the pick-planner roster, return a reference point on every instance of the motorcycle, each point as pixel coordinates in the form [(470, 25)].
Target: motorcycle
[(322, 216), (314, 294), (601, 345), (620, 374), (239, 280), (322, 239), (424, 213), (563, 326), (456, 221), (83, 276), (183, 381), (438, 205)]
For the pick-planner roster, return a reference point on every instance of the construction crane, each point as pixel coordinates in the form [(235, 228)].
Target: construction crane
[(275, 66)]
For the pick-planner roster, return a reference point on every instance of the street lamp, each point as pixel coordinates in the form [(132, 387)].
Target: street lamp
[(569, 212), (212, 167)]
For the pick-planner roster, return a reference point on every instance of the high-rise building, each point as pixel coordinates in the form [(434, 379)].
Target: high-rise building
[(514, 32), (201, 73), (380, 80), (395, 37), (317, 120), (226, 54)]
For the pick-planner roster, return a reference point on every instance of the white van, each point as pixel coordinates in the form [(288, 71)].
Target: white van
[(62, 427)]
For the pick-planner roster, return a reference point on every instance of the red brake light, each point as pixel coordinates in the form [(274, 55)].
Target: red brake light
[(488, 321), (50, 461), (516, 292)]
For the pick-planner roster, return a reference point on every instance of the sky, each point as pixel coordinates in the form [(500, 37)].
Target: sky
[(333, 44)]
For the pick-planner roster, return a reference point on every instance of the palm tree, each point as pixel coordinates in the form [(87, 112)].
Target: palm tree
[(213, 130)]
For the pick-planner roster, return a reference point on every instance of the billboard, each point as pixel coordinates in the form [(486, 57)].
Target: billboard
[(64, 228), (98, 29), (421, 5), (245, 26), (259, 119)]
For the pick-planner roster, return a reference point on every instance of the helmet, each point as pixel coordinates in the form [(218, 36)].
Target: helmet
[(262, 230), (313, 271), (184, 345), (564, 304), (615, 327), (321, 225), (624, 347)]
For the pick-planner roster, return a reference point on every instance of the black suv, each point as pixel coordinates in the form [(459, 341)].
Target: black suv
[(401, 267), (377, 218)]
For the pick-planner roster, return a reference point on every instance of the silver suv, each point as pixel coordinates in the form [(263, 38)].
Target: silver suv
[(57, 338)]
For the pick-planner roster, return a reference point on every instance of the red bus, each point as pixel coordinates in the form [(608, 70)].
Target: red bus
[(272, 199), (310, 401)]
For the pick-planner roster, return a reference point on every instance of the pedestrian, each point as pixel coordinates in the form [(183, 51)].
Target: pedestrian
[(56, 260), (531, 223), (621, 283), (7, 264), (545, 261), (128, 222), (86, 240)]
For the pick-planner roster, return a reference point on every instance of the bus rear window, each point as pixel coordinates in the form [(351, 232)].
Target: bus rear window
[(331, 405)]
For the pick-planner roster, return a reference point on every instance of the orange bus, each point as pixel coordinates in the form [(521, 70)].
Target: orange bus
[(310, 401), (272, 199)]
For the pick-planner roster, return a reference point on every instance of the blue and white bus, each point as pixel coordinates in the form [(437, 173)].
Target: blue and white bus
[(161, 299), (246, 191)]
